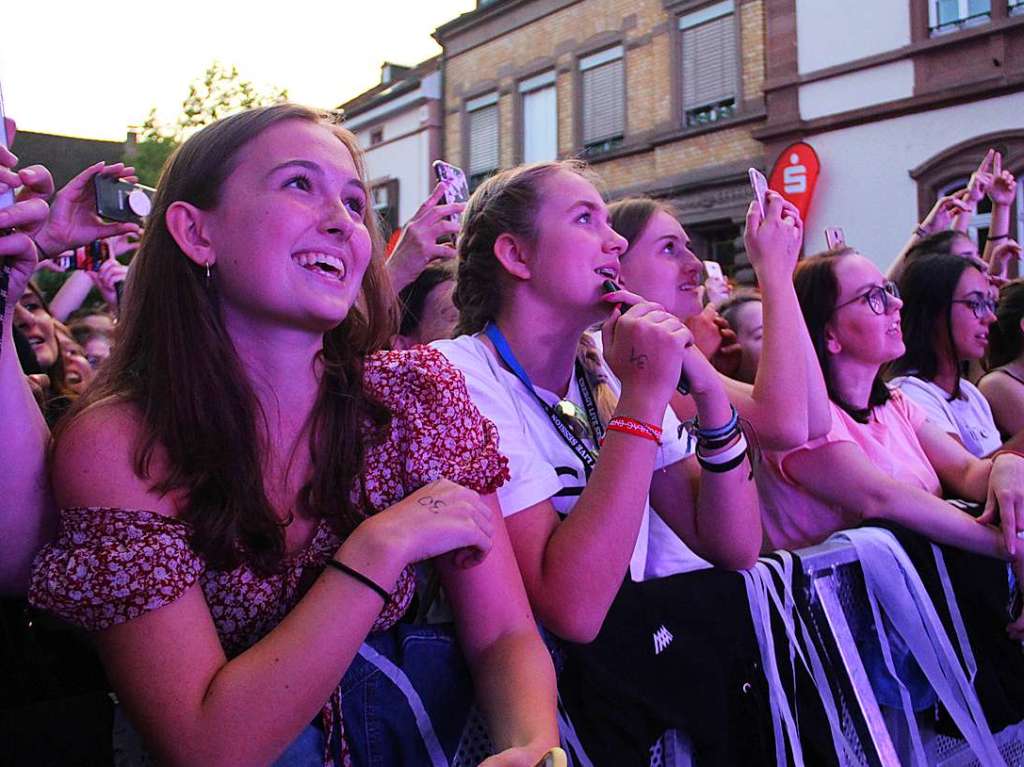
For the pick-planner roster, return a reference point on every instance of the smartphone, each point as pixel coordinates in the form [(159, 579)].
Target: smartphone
[(87, 258), (119, 200), (760, 186), (456, 188), (834, 237), (713, 270), (553, 758)]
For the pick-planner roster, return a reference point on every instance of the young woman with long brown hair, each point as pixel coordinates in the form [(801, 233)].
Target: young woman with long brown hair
[(270, 475)]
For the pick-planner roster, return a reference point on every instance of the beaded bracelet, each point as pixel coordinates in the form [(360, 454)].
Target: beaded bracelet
[(637, 428), (727, 460), (719, 432), (351, 572)]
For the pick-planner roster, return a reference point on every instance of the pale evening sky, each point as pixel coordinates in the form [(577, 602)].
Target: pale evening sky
[(90, 69)]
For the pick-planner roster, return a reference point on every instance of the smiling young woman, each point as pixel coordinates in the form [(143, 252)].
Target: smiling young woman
[(271, 475)]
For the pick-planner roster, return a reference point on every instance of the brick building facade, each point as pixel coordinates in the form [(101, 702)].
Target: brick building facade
[(661, 96)]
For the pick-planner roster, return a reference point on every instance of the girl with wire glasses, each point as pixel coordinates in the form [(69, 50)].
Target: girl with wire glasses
[(949, 307)]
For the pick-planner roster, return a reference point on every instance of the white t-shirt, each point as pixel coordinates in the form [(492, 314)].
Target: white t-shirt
[(542, 466), (968, 417)]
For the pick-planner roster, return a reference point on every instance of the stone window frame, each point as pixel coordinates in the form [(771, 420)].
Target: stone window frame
[(519, 121), (677, 10), (960, 161), (481, 90), (920, 15), (605, 42)]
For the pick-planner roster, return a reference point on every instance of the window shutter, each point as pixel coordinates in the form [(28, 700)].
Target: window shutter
[(483, 140), (604, 102), (709, 62)]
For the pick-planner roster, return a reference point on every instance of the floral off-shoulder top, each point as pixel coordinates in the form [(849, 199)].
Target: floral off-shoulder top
[(108, 566)]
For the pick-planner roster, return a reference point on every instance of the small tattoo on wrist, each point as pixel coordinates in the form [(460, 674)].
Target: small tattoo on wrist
[(639, 361)]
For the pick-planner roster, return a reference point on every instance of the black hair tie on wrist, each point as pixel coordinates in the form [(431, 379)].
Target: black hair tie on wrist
[(368, 582), (995, 237)]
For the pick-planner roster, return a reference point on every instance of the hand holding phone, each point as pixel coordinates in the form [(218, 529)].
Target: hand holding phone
[(120, 200), (456, 188), (760, 186)]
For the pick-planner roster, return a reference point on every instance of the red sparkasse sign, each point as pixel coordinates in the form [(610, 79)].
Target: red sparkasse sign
[(795, 174)]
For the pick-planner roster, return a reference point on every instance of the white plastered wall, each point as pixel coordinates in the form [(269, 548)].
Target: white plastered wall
[(831, 32), (865, 186)]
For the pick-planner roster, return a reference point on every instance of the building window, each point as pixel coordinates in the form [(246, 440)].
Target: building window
[(385, 205), (376, 136), (483, 137), (950, 15), (709, 64), (539, 118), (603, 101)]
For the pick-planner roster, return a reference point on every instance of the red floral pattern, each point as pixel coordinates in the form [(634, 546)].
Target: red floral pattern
[(108, 566)]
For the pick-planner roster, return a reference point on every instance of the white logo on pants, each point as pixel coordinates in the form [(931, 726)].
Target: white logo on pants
[(662, 639)]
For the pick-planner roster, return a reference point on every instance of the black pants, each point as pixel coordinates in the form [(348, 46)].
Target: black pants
[(626, 688)]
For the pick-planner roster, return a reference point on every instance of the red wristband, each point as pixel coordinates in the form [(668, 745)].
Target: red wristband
[(636, 428)]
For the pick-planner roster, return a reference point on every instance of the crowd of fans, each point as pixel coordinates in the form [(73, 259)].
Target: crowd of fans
[(281, 465)]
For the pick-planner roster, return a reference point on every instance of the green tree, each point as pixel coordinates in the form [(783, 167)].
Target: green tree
[(218, 93)]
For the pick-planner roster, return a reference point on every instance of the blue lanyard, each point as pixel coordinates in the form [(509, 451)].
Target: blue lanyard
[(585, 454)]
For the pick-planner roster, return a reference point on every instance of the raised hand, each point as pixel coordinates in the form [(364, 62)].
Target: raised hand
[(110, 273), (1004, 186), (940, 217), (1003, 253), (773, 242), (418, 244), (981, 180), (73, 219), (17, 251)]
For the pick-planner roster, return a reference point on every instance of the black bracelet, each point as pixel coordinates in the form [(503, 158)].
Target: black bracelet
[(721, 468), (352, 573), (994, 237), (920, 232)]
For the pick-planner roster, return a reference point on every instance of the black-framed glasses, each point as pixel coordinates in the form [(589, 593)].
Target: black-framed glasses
[(979, 306), (877, 297)]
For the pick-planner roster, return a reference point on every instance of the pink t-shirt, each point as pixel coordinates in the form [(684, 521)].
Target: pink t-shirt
[(792, 517)]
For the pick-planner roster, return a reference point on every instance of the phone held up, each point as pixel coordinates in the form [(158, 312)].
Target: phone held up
[(834, 237), (119, 200), (760, 186), (456, 188)]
